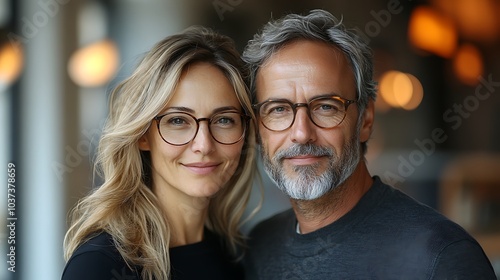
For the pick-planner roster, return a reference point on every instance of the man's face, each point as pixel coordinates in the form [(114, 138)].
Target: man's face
[(304, 160)]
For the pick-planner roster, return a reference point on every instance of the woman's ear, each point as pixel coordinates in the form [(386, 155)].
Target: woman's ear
[(144, 143)]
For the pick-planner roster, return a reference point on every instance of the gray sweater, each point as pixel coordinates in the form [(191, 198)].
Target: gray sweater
[(387, 235)]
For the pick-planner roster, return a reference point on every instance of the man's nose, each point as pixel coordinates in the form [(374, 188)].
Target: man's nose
[(303, 130)]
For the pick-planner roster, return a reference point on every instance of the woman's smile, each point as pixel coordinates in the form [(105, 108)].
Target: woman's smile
[(201, 168)]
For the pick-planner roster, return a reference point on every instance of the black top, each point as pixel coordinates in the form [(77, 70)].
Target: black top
[(387, 235), (98, 259)]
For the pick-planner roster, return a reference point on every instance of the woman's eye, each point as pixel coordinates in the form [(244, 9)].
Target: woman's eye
[(177, 121), (224, 121)]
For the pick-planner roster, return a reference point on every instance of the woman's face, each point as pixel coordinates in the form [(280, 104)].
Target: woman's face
[(202, 166)]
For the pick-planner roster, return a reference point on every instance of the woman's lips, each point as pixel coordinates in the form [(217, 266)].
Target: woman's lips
[(201, 168)]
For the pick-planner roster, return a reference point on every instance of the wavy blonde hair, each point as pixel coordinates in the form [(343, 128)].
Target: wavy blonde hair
[(124, 205)]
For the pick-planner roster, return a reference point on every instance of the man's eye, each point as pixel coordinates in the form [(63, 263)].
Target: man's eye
[(277, 109), (326, 108)]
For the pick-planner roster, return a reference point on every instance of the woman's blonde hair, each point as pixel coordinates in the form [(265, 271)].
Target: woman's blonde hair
[(124, 205)]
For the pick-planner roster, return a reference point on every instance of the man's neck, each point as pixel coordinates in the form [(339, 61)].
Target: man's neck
[(315, 214)]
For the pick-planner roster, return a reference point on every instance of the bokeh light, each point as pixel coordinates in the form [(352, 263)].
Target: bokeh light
[(94, 65), (468, 64), (432, 31), (417, 93), (400, 90), (11, 63), (403, 89), (476, 20)]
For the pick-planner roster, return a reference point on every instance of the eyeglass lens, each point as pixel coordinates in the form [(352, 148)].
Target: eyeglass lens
[(178, 128), (324, 112)]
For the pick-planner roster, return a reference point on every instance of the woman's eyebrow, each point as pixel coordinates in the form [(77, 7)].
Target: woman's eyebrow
[(179, 108), (225, 108), (189, 110)]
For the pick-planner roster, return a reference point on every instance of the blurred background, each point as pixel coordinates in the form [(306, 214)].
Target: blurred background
[(436, 137)]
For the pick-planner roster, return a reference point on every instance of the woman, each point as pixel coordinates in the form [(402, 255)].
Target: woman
[(177, 159)]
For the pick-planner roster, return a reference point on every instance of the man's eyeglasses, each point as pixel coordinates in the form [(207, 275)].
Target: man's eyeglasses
[(324, 112), (179, 128)]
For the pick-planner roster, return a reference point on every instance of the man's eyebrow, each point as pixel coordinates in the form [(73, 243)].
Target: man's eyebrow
[(326, 95), (321, 95)]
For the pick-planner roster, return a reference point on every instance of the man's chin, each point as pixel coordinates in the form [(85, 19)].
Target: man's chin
[(305, 187), (304, 196)]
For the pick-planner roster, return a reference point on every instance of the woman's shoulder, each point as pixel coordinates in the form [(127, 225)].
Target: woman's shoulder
[(100, 243), (98, 258), (207, 259)]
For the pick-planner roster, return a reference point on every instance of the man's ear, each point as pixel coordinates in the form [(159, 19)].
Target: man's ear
[(367, 122), (144, 143)]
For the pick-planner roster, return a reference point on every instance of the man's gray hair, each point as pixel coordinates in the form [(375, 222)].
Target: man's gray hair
[(318, 25)]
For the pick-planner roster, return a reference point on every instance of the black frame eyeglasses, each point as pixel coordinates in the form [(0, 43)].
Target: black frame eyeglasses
[(180, 128), (323, 111)]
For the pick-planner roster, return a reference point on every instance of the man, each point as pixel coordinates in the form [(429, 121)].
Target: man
[(311, 81)]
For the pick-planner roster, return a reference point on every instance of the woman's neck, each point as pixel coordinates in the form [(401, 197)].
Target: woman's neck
[(185, 215)]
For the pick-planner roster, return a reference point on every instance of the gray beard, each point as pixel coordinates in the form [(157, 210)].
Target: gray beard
[(307, 184)]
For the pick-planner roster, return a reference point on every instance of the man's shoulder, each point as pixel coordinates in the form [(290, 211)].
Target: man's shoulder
[(405, 214), (267, 241), (276, 223), (278, 218), (397, 204)]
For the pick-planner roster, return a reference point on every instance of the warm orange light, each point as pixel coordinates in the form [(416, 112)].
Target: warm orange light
[(468, 64), (386, 88), (11, 62), (403, 89), (417, 93), (433, 32), (476, 20), (94, 65), (400, 90)]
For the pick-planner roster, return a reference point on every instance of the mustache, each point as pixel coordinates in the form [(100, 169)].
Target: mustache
[(302, 150)]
